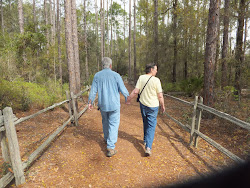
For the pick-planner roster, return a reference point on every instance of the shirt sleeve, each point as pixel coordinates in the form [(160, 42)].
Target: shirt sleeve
[(93, 90), (138, 84), (158, 86), (122, 88)]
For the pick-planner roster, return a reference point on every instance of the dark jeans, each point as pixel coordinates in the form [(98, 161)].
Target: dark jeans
[(149, 117)]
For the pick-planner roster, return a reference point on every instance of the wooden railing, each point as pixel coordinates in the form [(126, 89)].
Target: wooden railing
[(9, 141), (194, 128)]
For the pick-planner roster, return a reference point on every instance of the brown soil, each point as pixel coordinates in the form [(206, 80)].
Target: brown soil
[(77, 158)]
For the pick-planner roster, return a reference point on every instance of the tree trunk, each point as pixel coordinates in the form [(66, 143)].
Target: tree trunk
[(156, 32), (124, 32), (54, 22), (86, 43), (50, 21), (59, 40), (102, 30), (224, 81), (239, 55), (108, 51), (245, 35), (34, 14), (146, 32), (103, 18), (111, 30), (46, 30), (21, 25), (129, 44), (135, 72), (97, 36), (2, 23), (75, 45), (69, 46), (210, 52), (197, 38), (175, 39), (20, 16)]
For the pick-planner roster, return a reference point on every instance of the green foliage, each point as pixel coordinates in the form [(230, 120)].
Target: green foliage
[(192, 85), (30, 42), (230, 91), (171, 87), (23, 95)]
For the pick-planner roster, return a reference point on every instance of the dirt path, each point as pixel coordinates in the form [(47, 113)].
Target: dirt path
[(78, 157)]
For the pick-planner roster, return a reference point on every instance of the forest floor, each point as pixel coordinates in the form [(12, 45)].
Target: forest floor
[(77, 158)]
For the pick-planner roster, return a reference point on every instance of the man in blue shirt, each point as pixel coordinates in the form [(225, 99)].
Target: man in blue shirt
[(108, 84)]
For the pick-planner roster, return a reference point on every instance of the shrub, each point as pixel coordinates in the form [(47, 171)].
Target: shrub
[(23, 95), (167, 87), (192, 86)]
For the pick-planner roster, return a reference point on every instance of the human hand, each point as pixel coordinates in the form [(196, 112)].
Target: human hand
[(128, 100), (163, 108), (90, 106)]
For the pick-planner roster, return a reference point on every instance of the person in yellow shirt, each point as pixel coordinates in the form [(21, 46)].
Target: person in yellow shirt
[(151, 95)]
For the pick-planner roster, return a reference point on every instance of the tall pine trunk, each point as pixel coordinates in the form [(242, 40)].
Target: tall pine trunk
[(2, 23), (86, 43), (69, 46), (156, 32), (59, 41), (102, 30), (129, 44), (239, 55), (111, 30), (75, 45), (97, 37), (210, 52), (135, 72), (246, 33), (20, 16), (34, 14), (175, 39), (146, 32), (108, 50), (224, 80)]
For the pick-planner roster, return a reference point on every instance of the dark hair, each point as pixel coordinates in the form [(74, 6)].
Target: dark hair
[(149, 67)]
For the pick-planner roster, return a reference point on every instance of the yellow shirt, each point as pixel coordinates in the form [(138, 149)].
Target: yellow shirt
[(149, 95)]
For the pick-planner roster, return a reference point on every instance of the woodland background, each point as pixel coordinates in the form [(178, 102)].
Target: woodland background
[(43, 44)]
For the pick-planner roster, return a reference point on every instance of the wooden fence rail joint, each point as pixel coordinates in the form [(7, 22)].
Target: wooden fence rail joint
[(10, 149), (198, 107)]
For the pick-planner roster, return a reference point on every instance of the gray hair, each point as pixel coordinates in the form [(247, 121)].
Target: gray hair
[(106, 62)]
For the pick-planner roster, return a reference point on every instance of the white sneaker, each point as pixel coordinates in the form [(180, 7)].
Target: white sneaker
[(148, 152)]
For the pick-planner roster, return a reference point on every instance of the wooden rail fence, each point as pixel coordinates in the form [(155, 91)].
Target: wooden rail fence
[(194, 129), (10, 146), (9, 141)]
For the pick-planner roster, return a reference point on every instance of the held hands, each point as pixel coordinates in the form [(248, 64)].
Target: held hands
[(90, 106), (128, 100)]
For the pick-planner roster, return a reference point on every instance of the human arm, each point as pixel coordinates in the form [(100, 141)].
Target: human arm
[(122, 88), (161, 100), (92, 93), (132, 95)]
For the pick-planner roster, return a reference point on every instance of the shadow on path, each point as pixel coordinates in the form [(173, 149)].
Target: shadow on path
[(177, 137), (138, 144), (91, 135)]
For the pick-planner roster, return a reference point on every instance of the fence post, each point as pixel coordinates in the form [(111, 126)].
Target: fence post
[(198, 123), (15, 157), (193, 121), (4, 145), (69, 103), (74, 109)]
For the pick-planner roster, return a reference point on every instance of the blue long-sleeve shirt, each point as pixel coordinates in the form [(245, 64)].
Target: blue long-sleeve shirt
[(108, 84)]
